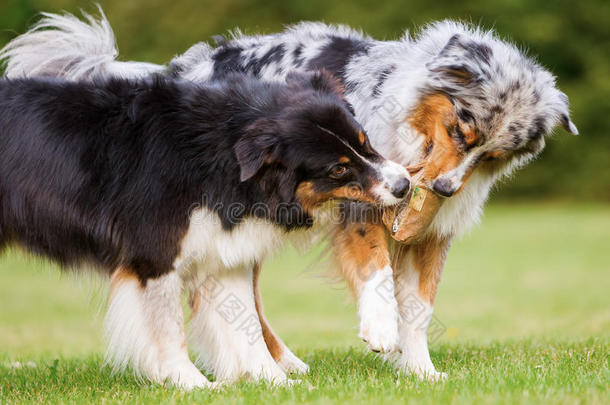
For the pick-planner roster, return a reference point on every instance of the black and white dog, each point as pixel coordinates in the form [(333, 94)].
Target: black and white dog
[(161, 182), (472, 106)]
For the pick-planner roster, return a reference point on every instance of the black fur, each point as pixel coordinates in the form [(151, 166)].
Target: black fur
[(465, 116), (231, 59), (297, 55), (336, 54), (537, 129), (383, 76), (480, 52), (356, 212), (108, 172), (273, 55), (226, 60)]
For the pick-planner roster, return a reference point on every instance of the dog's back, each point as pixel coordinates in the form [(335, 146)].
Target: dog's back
[(56, 140), (47, 130)]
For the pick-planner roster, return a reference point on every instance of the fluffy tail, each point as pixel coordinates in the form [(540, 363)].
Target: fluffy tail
[(64, 46)]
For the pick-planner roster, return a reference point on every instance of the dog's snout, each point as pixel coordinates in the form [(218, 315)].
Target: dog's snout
[(394, 183), (443, 187), (401, 188)]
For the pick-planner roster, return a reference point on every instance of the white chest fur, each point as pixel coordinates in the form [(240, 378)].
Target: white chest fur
[(208, 244)]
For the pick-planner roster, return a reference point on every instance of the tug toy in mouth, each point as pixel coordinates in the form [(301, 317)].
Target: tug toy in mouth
[(408, 221)]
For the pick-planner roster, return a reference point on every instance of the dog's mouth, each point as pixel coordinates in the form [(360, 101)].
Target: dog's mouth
[(441, 186), (419, 182)]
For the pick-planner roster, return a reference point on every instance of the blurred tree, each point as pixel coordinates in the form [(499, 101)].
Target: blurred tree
[(571, 38)]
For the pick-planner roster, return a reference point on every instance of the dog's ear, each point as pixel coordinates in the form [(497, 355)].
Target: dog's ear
[(459, 63), (564, 114), (257, 147), (321, 80)]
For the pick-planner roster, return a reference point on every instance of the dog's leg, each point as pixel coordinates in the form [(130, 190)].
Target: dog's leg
[(226, 330), (418, 270), (145, 330), (287, 361), (363, 259)]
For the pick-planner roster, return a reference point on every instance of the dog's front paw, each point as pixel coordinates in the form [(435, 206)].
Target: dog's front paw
[(187, 377), (266, 370), (380, 333), (291, 364), (432, 375), (415, 360)]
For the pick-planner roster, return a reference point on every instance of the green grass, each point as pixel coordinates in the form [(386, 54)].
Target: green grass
[(524, 299)]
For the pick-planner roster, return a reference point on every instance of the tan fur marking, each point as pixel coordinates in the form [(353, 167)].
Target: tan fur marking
[(461, 76), (195, 301), (310, 199), (398, 257), (361, 137), (429, 258), (360, 249), (471, 135), (122, 275), (344, 159), (432, 117), (496, 154), (271, 340)]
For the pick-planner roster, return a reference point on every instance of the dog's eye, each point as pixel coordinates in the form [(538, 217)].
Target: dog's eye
[(338, 171), (468, 139), (460, 133), (491, 156), (461, 137)]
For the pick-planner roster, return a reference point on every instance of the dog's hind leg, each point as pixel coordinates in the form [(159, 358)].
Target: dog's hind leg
[(145, 330), (283, 356), (226, 330)]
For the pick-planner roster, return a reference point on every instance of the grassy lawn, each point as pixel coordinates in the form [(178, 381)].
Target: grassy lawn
[(524, 301)]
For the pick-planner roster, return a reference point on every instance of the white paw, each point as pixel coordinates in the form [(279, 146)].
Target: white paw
[(378, 312), (423, 373), (415, 356), (274, 375), (291, 364), (380, 334), (433, 375), (268, 371), (287, 383), (188, 377)]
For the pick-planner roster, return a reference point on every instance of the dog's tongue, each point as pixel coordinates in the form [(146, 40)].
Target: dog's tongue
[(408, 221)]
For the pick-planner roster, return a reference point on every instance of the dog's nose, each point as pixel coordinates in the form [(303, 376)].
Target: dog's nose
[(401, 188), (443, 187)]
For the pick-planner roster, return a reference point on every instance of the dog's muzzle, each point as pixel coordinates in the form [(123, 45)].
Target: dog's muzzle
[(443, 187), (401, 187)]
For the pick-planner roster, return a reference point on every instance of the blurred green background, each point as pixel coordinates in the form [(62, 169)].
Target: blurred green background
[(571, 38)]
